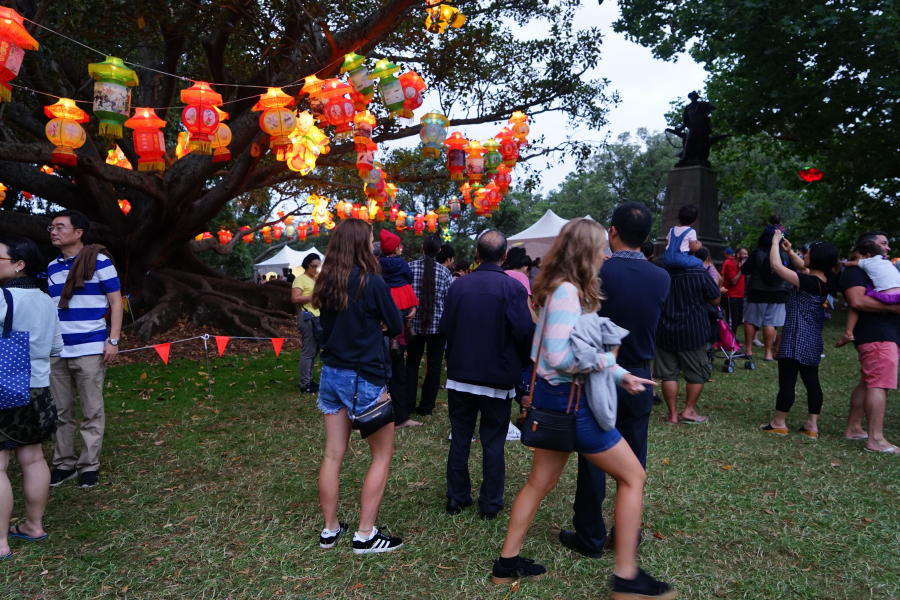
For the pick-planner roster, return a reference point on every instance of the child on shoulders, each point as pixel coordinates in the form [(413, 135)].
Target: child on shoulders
[(682, 240)]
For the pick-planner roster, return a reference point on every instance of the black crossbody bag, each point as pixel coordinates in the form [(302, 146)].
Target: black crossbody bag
[(376, 416)]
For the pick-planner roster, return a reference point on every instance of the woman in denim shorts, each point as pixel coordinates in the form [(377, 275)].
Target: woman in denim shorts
[(357, 311), (567, 287)]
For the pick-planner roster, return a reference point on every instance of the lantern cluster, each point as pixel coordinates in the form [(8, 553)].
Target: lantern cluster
[(443, 16), (14, 41)]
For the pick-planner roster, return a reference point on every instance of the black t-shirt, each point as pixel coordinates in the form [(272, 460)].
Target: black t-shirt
[(812, 285), (871, 327)]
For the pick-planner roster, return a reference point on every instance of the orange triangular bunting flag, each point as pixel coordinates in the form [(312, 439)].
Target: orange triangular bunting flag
[(277, 342), (163, 350), (221, 342)]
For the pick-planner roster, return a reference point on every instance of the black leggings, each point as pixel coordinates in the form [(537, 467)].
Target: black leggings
[(788, 368)]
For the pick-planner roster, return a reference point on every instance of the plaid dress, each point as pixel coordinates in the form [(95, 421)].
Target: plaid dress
[(801, 338)]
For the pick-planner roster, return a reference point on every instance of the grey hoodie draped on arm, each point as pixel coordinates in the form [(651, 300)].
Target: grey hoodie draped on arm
[(591, 336)]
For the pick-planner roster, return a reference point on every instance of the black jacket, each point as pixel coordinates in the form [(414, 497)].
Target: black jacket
[(353, 339), (764, 285), (488, 328)]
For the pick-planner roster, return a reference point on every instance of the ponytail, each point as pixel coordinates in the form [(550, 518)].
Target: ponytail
[(430, 247)]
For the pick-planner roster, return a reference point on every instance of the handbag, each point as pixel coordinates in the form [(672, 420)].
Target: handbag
[(545, 428), (376, 416), (15, 362)]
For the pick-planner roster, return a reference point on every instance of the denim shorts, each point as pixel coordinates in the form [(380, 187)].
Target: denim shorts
[(336, 391), (589, 438)]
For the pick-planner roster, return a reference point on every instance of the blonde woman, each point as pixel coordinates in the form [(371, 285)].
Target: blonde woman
[(567, 287)]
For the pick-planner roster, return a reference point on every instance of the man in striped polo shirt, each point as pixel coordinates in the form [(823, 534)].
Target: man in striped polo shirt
[(83, 305)]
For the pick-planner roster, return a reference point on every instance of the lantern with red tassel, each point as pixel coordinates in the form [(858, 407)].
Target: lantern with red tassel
[(339, 111), (277, 120), (503, 178), (413, 86), (419, 224), (149, 142), (456, 155), (518, 123), (199, 116), (313, 229), (509, 147), (302, 230), (455, 208), (14, 40), (64, 131), (431, 221)]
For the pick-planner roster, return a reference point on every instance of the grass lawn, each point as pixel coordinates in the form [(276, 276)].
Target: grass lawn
[(218, 499)]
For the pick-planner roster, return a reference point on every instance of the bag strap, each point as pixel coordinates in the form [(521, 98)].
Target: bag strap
[(576, 385), (534, 370), (7, 323)]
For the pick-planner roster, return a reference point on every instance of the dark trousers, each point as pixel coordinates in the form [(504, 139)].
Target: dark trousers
[(434, 343), (633, 422), (788, 369), (734, 313), (397, 387), (464, 409)]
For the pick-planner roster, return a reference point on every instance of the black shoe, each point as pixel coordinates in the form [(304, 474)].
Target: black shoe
[(657, 399), (376, 544), (309, 390), (88, 479), (569, 539), (330, 541), (60, 475), (454, 507), (314, 387), (525, 569), (489, 516), (423, 413), (641, 587)]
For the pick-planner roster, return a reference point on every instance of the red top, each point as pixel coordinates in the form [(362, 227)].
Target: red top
[(730, 269)]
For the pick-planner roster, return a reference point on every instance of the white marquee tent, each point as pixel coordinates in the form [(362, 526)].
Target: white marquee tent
[(285, 259), (538, 238)]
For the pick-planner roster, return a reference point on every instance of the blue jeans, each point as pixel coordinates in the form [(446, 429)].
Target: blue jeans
[(589, 438), (680, 260), (336, 391)]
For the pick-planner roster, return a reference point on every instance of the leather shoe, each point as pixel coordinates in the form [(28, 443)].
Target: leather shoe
[(569, 539), (454, 507), (488, 516)]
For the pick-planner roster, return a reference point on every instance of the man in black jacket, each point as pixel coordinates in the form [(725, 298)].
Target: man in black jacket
[(489, 331), (766, 295)]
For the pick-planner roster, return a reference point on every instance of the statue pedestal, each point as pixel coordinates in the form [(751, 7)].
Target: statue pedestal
[(692, 185)]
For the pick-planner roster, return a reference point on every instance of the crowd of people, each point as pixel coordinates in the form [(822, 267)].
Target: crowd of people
[(579, 338)]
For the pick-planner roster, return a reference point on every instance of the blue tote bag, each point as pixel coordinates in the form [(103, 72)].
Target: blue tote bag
[(15, 362)]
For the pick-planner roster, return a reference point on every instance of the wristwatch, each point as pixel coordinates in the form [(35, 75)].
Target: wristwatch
[(113, 342)]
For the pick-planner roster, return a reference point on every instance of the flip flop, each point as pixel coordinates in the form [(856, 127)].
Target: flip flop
[(845, 339), (7, 557), (769, 429), (856, 439), (891, 450), (17, 533), (698, 421)]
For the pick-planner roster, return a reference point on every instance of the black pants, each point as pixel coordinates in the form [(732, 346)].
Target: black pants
[(397, 387), (788, 369), (435, 343), (464, 409), (633, 422), (734, 313)]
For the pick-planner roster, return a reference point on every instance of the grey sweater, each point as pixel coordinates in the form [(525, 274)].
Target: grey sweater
[(35, 312), (592, 335)]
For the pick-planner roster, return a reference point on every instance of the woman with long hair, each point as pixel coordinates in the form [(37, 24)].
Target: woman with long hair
[(23, 429), (431, 282), (800, 351), (357, 311), (307, 320), (567, 287)]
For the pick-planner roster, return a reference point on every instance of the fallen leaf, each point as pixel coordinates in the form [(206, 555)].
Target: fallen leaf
[(159, 443), (658, 535), (446, 568), (769, 512), (867, 520), (190, 519), (44, 572), (109, 384), (125, 588), (726, 467), (143, 376), (244, 572), (666, 461), (835, 463)]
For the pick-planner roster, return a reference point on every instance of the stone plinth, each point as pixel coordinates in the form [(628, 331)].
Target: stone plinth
[(695, 185)]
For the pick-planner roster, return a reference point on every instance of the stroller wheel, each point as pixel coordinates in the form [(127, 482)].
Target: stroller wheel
[(729, 362), (750, 365), (728, 369)]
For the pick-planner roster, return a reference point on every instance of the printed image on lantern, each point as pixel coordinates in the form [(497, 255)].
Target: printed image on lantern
[(277, 120), (443, 16), (456, 155), (363, 127), (125, 206), (182, 147), (431, 220), (14, 40), (390, 190), (365, 158), (518, 123), (112, 98), (455, 209), (418, 224), (363, 85), (312, 86), (503, 178), (443, 214), (433, 134), (224, 236), (339, 111), (491, 196), (199, 116), (474, 161), (413, 86), (221, 138), (114, 157), (509, 147), (400, 221), (389, 86), (267, 234), (492, 156), (64, 131)]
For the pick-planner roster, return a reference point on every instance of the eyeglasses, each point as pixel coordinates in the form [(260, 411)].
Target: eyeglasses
[(58, 228), (9, 259)]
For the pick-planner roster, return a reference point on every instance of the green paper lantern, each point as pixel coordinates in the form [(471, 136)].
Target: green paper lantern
[(112, 96)]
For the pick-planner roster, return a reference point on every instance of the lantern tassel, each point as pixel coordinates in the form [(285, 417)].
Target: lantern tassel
[(457, 176), (64, 159), (5, 92), (200, 146), (111, 130), (222, 155), (154, 165)]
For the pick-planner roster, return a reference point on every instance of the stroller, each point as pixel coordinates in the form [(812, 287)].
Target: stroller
[(723, 339)]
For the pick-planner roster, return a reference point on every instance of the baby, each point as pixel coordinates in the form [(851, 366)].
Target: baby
[(885, 278), (682, 240)]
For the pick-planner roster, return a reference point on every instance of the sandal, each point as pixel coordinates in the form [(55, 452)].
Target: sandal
[(7, 557), (698, 421), (845, 339), (17, 533), (891, 450), (777, 431), (813, 435)]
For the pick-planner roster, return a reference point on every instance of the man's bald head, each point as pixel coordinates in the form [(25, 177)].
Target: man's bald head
[(491, 247)]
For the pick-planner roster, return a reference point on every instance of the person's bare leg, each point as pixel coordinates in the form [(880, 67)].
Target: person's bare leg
[(670, 395), (749, 336), (875, 401), (691, 396), (6, 503), (620, 463), (381, 445), (36, 484), (768, 340), (812, 423), (780, 420), (854, 429), (546, 468), (337, 436)]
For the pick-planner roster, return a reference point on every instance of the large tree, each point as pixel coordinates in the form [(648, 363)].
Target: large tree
[(480, 73)]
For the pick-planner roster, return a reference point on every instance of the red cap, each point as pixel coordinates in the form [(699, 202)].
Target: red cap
[(389, 242)]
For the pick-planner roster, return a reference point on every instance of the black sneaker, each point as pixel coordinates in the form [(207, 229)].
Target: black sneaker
[(376, 544), (641, 587), (569, 539), (60, 475), (526, 569), (314, 387), (88, 479), (330, 541)]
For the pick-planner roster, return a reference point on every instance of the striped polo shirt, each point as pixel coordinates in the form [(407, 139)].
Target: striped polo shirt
[(83, 324)]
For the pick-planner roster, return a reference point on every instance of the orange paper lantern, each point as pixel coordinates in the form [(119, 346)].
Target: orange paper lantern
[(277, 120), (149, 143), (200, 117)]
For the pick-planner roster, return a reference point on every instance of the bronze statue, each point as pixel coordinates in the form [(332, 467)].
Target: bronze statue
[(695, 133)]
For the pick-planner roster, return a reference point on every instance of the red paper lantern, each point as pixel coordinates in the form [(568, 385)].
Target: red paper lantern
[(503, 178), (125, 206), (413, 86), (509, 147), (395, 209), (14, 40), (810, 174), (419, 224), (302, 230), (456, 155), (149, 142), (313, 229), (224, 236), (365, 158), (200, 117), (339, 111)]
